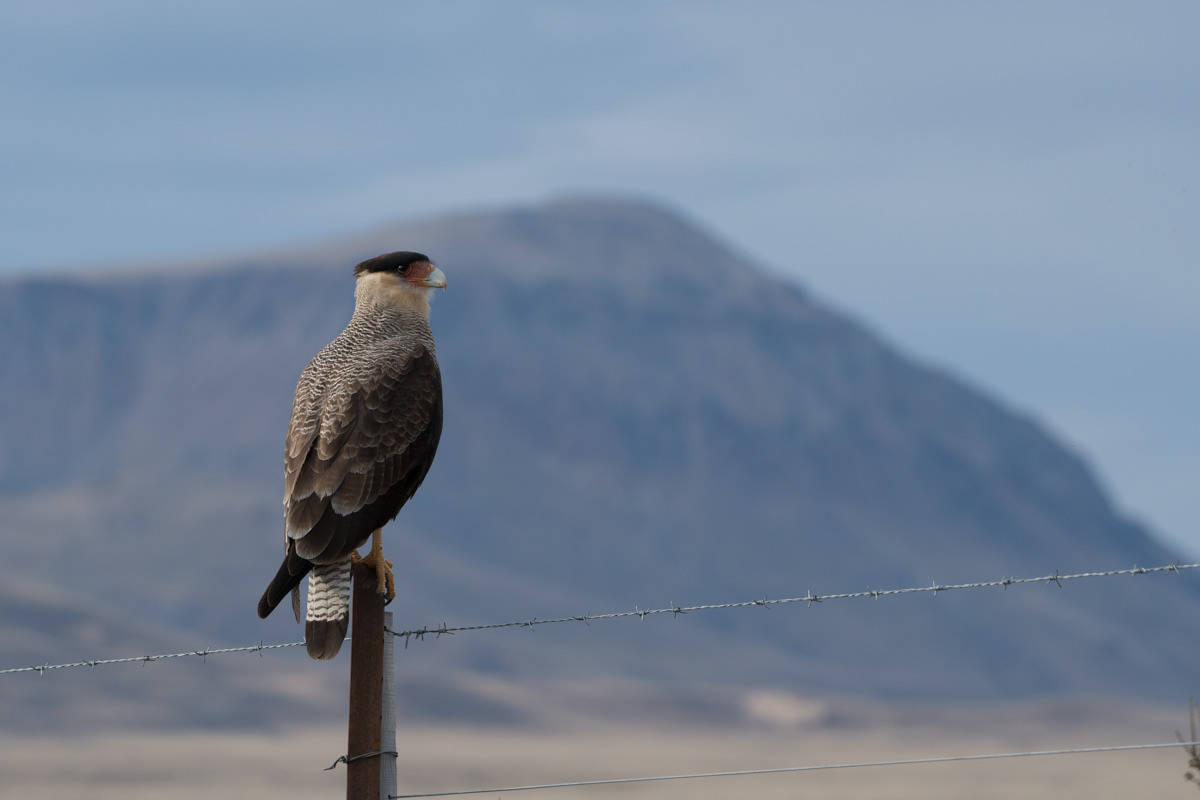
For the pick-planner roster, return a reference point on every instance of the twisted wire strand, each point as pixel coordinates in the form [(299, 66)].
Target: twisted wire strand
[(810, 598), (674, 610), (258, 648), (810, 768)]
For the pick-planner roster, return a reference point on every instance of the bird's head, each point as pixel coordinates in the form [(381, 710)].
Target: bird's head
[(398, 279)]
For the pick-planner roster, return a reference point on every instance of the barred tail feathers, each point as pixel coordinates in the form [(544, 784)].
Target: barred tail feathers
[(328, 616)]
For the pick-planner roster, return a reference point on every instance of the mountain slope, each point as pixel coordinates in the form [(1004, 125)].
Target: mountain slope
[(224, 691), (635, 416)]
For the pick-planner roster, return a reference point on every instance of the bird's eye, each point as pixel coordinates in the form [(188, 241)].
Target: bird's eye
[(403, 268)]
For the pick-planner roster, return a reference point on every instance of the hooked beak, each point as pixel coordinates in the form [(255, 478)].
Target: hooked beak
[(436, 279), (427, 276)]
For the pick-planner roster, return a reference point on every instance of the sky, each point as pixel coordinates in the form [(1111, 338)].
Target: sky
[(1007, 191)]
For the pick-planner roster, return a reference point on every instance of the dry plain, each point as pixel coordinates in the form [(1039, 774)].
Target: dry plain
[(594, 735)]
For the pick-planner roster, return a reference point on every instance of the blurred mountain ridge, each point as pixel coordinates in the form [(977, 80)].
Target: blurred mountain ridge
[(635, 415)]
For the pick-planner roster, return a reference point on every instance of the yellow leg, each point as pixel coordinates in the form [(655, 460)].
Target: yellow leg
[(384, 578)]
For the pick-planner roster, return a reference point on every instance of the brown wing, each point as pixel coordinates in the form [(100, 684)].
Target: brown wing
[(355, 459)]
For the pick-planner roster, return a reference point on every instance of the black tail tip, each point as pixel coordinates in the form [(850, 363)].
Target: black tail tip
[(324, 639)]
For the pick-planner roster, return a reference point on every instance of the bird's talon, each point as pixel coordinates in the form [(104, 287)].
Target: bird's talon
[(385, 580)]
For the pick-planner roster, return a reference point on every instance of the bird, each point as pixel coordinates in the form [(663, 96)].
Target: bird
[(365, 425)]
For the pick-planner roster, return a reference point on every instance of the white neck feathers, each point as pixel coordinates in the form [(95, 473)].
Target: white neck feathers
[(386, 290)]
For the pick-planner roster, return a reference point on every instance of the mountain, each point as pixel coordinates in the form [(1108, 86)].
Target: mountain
[(636, 416)]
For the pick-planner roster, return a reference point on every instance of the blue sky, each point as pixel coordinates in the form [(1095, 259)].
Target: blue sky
[(1008, 190)]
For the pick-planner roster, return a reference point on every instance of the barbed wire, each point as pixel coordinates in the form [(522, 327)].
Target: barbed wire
[(809, 599), (810, 768), (202, 654), (674, 610)]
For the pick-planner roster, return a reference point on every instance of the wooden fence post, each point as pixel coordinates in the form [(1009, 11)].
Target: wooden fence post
[(366, 687)]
